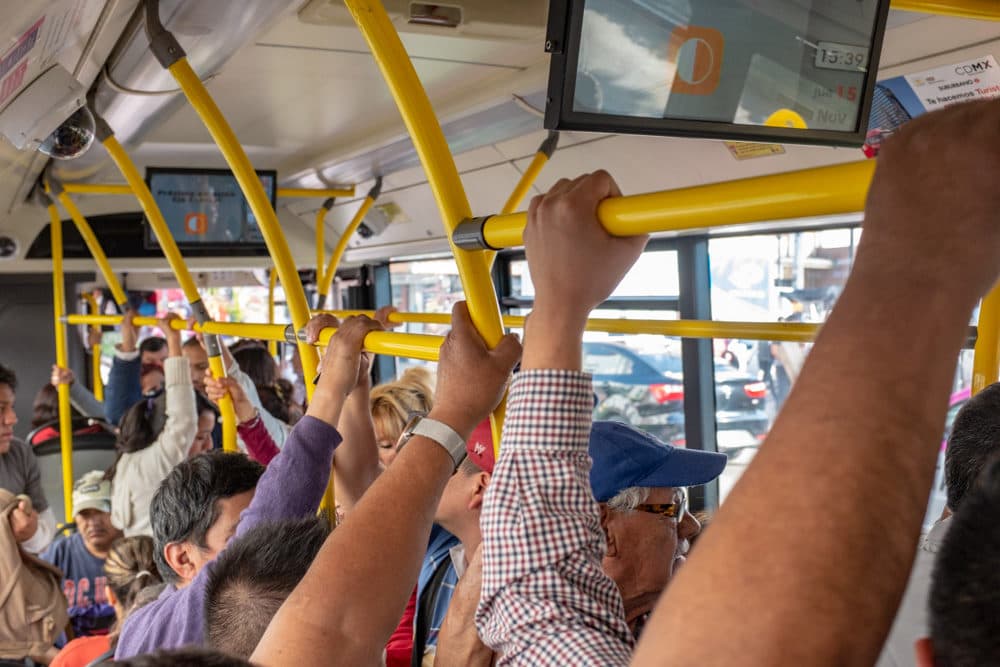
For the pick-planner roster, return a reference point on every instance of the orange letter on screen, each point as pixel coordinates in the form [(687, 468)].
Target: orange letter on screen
[(196, 224), (697, 53)]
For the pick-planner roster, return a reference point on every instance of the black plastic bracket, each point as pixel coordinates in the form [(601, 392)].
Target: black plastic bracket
[(551, 143), (469, 234), (376, 189), (328, 204), (162, 42)]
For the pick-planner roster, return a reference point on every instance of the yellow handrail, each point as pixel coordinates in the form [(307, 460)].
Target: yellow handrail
[(325, 283), (985, 10), (272, 283), (180, 270), (253, 190), (986, 364), (62, 360), (832, 190), (119, 189), (96, 251), (95, 352), (442, 175)]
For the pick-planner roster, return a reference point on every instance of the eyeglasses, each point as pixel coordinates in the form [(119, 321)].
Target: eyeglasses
[(667, 510)]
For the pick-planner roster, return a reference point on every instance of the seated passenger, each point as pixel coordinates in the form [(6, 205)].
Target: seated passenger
[(974, 440), (253, 577), (198, 507), (35, 526), (393, 403), (81, 556), (154, 436), (124, 388), (964, 606), (129, 570)]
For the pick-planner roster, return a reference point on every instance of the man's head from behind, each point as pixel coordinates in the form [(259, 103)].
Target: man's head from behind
[(974, 440), (965, 587), (92, 513), (185, 657), (8, 418), (462, 500), (254, 576), (640, 483), (195, 511)]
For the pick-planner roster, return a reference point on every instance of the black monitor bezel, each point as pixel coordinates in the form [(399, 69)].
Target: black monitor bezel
[(563, 43), (196, 249)]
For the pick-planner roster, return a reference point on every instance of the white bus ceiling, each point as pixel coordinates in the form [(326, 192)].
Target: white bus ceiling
[(303, 94)]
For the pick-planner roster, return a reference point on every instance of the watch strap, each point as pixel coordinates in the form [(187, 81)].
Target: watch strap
[(444, 435)]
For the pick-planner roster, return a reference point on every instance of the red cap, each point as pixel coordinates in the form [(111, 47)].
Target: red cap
[(480, 447)]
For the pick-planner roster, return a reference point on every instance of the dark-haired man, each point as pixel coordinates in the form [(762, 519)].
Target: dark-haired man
[(964, 607), (252, 578), (974, 440), (191, 524), (34, 527)]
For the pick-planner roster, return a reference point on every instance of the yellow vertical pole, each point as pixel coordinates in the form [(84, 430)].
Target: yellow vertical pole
[(272, 283), (62, 358), (425, 130), (986, 366), (323, 286), (95, 351), (92, 243), (180, 270)]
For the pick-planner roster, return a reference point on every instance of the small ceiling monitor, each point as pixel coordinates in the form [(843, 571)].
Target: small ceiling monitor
[(206, 211), (787, 71)]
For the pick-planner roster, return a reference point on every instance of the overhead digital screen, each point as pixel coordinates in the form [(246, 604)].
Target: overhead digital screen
[(205, 208), (787, 70)]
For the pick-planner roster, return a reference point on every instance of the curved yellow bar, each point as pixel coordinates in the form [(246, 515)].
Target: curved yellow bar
[(173, 254), (986, 365), (272, 283), (305, 193), (95, 249), (97, 189), (95, 352), (800, 194), (253, 190), (62, 359), (986, 10), (331, 269), (429, 141)]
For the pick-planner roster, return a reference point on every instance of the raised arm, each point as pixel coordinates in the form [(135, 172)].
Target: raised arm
[(124, 389), (251, 429), (851, 457), (367, 567), (545, 598)]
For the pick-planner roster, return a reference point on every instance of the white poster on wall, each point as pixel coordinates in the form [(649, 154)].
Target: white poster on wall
[(971, 80)]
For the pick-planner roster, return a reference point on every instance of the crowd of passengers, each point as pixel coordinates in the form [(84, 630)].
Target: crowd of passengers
[(567, 548)]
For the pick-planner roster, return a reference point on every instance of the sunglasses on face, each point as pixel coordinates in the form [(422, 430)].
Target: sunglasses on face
[(667, 510)]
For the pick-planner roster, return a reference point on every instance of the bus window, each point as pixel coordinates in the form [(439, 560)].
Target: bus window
[(424, 286)]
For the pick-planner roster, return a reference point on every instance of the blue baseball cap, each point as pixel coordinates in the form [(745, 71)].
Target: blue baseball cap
[(625, 457)]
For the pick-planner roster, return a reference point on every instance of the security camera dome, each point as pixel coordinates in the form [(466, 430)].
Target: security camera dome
[(72, 138)]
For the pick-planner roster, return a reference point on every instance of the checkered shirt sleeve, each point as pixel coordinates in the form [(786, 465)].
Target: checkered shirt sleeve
[(545, 599)]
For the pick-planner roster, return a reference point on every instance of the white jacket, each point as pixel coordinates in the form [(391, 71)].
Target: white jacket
[(139, 474)]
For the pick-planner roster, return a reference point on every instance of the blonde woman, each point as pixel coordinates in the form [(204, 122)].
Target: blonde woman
[(394, 403)]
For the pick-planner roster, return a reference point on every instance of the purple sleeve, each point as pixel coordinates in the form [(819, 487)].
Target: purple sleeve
[(291, 487)]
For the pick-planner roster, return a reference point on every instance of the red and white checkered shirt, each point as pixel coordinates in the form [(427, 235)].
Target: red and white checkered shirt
[(545, 598)]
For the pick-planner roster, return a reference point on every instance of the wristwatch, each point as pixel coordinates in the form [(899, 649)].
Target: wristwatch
[(439, 432)]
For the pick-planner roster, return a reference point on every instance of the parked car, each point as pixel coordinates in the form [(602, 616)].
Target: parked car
[(645, 388)]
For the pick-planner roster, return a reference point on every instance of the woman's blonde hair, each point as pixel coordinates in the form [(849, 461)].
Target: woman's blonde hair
[(393, 403)]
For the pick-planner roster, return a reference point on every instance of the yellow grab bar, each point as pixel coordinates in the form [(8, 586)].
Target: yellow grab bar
[(986, 364), (324, 284), (92, 243), (62, 360), (118, 189), (95, 352), (272, 283), (429, 141), (180, 270), (832, 190), (986, 10)]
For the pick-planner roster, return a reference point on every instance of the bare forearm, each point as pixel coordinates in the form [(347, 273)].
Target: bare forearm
[(882, 365), (356, 463), (360, 597)]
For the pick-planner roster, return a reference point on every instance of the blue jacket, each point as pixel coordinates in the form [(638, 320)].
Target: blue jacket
[(123, 389)]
